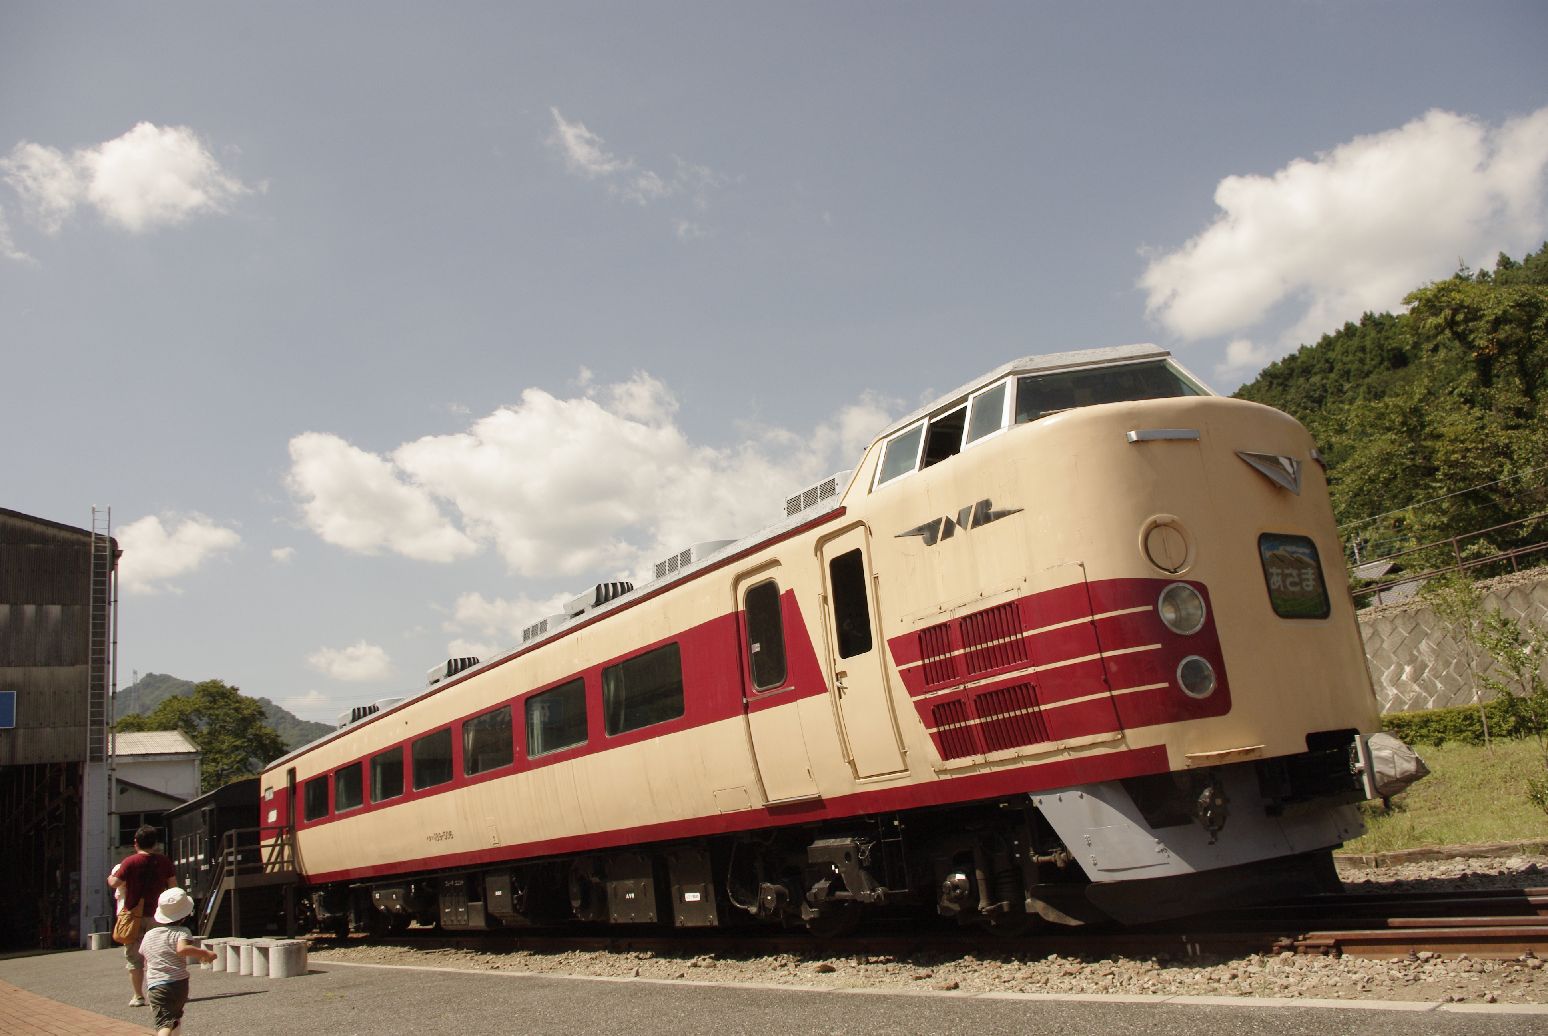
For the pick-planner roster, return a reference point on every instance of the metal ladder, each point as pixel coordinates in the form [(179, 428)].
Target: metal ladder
[(103, 635)]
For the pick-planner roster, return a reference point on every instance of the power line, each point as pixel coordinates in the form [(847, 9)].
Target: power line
[(1448, 496)]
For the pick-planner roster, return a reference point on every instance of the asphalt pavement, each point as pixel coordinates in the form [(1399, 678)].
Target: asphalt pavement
[(352, 1000)]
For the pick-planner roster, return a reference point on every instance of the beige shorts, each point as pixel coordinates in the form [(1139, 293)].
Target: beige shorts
[(133, 960)]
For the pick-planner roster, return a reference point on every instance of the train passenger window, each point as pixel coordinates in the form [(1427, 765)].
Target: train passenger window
[(851, 604), (316, 793), (1039, 395), (945, 437), (644, 690), (765, 636), (901, 455), (348, 792), (432, 759), (487, 742), (986, 412), (387, 775), (556, 718)]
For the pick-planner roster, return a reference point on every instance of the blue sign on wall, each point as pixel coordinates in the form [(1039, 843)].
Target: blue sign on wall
[(7, 710)]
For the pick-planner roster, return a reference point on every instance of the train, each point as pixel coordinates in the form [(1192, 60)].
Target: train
[(1073, 644)]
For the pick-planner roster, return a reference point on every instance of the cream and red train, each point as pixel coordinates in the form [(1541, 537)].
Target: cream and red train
[(1073, 642)]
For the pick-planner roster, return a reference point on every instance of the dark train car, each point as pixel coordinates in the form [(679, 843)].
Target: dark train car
[(196, 831)]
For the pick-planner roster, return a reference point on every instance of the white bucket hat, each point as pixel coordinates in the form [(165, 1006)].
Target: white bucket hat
[(173, 906)]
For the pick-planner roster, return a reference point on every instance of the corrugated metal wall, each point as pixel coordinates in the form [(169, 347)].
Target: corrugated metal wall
[(45, 613)]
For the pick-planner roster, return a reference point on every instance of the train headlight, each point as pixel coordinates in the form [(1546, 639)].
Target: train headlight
[(1196, 677), (1181, 608)]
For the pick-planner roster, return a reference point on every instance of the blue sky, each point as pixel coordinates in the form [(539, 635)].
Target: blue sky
[(383, 327)]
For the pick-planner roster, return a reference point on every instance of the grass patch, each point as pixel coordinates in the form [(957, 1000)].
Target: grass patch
[(1473, 794)]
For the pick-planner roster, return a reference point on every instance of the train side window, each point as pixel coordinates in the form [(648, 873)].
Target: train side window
[(487, 742), (765, 636), (316, 793), (556, 718), (348, 791), (644, 690), (986, 412), (387, 775), (851, 604), (900, 455), (945, 437), (432, 756)]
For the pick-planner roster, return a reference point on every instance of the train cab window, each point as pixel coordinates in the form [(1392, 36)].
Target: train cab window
[(644, 690), (900, 455), (348, 791), (1040, 395), (432, 755), (556, 718), (851, 604), (487, 742), (765, 636), (944, 438), (316, 795), (986, 411), (387, 775)]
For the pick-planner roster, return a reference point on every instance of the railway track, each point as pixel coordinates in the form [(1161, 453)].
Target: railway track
[(1496, 923)]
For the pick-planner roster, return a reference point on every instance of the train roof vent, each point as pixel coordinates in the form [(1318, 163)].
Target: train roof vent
[(689, 556), (449, 669), (360, 712), (810, 497), (544, 626), (596, 597)]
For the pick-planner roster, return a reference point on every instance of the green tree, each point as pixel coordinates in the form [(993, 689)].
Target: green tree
[(233, 739)]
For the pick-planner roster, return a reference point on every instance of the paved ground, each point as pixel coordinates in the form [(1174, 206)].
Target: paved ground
[(91, 992)]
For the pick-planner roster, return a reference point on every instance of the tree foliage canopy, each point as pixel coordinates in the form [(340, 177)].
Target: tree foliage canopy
[(233, 738), (1436, 419)]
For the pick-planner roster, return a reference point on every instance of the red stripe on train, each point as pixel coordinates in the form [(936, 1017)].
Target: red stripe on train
[(969, 787)]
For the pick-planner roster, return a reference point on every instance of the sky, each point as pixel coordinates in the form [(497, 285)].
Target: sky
[(385, 328)]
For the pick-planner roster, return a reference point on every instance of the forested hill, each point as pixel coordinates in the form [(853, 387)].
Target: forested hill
[(1414, 407), (141, 698)]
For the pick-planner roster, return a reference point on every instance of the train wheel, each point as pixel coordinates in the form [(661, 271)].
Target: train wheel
[(1011, 923), (835, 921)]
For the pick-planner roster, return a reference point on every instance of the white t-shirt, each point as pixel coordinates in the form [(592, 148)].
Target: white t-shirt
[(163, 964)]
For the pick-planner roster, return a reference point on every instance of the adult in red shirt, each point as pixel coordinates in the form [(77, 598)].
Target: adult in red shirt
[(144, 876)]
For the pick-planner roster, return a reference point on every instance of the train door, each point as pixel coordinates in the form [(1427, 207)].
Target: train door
[(773, 717), (855, 653)]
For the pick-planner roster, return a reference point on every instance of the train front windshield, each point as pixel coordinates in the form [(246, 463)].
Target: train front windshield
[(1039, 395)]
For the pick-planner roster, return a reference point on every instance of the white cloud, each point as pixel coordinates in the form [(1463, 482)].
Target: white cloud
[(596, 487), (354, 499), (154, 555), (8, 249), (1242, 357), (1355, 228), (152, 176), (359, 663), (283, 555), (690, 185)]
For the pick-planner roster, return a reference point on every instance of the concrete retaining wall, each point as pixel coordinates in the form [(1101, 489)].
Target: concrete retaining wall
[(1416, 662)]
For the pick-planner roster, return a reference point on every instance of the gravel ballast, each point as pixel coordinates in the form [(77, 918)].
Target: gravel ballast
[(1429, 977)]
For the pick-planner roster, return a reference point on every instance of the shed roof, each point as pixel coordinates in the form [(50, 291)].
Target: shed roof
[(153, 742)]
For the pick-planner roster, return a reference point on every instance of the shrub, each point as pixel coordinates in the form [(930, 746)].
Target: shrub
[(1460, 725)]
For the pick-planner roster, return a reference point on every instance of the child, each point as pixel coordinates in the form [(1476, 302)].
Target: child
[(166, 974)]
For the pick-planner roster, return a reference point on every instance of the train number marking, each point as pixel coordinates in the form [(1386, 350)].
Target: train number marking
[(438, 836), (971, 517)]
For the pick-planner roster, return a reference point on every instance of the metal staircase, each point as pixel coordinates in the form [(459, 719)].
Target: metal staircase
[(253, 889)]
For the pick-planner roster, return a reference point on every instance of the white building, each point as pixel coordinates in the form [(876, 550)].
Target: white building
[(152, 772)]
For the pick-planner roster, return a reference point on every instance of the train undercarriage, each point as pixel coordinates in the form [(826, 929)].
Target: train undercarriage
[(1212, 838)]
